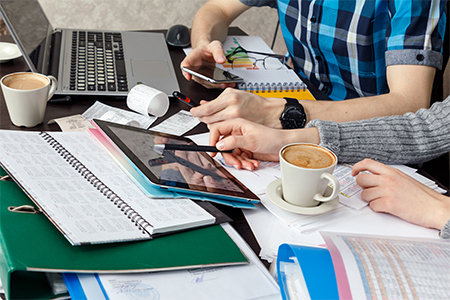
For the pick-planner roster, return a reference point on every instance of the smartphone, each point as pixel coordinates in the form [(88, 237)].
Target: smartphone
[(213, 74)]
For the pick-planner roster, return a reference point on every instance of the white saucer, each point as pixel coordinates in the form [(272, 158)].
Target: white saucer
[(9, 51), (274, 193)]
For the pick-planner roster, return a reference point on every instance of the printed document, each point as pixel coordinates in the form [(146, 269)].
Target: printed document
[(380, 267)]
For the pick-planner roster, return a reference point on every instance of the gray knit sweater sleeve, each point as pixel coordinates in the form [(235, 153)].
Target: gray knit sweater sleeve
[(412, 138), (409, 139), (445, 232)]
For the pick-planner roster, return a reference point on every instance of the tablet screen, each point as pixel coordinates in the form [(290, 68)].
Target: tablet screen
[(184, 170)]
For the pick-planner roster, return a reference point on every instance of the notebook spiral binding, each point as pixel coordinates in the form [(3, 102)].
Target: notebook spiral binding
[(137, 219), (271, 87)]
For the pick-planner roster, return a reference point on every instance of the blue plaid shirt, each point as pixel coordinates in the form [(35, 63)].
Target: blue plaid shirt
[(344, 46)]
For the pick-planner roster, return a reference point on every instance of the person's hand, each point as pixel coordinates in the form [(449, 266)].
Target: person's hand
[(251, 142), (392, 191), (233, 103), (205, 55)]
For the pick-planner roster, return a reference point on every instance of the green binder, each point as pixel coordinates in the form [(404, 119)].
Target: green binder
[(30, 245)]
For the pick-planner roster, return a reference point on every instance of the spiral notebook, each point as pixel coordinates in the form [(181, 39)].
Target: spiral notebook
[(273, 83), (85, 194)]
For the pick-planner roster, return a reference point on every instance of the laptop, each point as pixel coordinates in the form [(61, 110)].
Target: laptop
[(89, 62)]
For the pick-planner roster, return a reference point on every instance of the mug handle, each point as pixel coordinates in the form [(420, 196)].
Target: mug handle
[(336, 188), (53, 84)]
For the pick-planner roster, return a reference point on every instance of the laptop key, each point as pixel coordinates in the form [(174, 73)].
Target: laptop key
[(120, 67), (101, 87), (111, 87)]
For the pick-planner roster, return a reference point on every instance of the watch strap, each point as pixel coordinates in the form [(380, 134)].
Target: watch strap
[(299, 121), (292, 101)]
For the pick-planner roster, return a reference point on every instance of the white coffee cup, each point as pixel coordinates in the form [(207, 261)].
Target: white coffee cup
[(26, 95), (306, 170)]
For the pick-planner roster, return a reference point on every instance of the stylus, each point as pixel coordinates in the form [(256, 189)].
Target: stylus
[(185, 99), (161, 147)]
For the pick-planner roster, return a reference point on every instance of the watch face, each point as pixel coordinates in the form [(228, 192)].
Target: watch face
[(293, 118)]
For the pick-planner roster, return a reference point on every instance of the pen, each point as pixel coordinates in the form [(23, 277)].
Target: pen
[(185, 99), (61, 100), (161, 147)]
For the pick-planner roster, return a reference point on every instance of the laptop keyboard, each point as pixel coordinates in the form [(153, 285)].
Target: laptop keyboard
[(97, 62)]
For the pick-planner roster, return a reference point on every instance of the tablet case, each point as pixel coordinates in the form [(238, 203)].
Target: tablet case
[(317, 268), (30, 245)]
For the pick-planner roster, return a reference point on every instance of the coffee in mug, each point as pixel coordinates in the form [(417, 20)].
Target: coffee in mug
[(308, 156), (26, 82), (306, 170), (26, 95)]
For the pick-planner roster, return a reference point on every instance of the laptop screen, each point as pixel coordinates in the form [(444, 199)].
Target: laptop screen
[(31, 30)]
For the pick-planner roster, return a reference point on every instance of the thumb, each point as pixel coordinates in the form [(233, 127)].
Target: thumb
[(219, 55)]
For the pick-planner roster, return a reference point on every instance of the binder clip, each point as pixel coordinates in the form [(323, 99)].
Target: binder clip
[(306, 273), (24, 209)]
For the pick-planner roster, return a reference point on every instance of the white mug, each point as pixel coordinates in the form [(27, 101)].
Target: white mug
[(306, 170), (26, 95)]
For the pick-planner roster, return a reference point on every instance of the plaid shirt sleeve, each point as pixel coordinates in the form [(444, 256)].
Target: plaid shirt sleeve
[(343, 47), (415, 34), (271, 3)]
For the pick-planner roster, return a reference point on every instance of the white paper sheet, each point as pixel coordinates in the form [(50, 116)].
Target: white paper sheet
[(113, 114), (251, 281), (178, 124)]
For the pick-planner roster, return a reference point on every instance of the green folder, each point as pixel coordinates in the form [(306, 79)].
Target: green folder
[(31, 245)]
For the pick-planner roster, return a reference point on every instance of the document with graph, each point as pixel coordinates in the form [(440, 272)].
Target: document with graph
[(384, 267), (263, 75)]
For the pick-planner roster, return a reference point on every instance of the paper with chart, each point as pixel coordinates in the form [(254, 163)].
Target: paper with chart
[(379, 267), (262, 75)]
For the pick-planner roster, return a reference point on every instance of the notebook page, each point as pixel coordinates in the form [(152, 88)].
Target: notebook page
[(74, 205), (269, 80), (164, 214)]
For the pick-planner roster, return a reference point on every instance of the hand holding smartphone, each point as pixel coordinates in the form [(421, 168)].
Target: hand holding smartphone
[(213, 74)]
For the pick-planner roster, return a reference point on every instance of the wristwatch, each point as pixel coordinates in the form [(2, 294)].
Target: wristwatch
[(294, 115)]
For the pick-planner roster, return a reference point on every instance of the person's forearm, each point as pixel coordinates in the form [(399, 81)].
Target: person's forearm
[(411, 138), (362, 108), (212, 20), (410, 89), (304, 135)]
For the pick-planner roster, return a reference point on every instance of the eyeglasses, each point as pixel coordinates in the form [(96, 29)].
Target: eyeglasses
[(239, 58)]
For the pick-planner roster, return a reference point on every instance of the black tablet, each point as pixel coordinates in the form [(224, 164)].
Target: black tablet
[(175, 170)]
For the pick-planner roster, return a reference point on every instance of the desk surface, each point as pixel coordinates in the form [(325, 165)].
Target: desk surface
[(78, 106)]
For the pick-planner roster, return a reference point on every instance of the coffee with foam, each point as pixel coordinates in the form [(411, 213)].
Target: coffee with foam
[(308, 156), (25, 81)]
